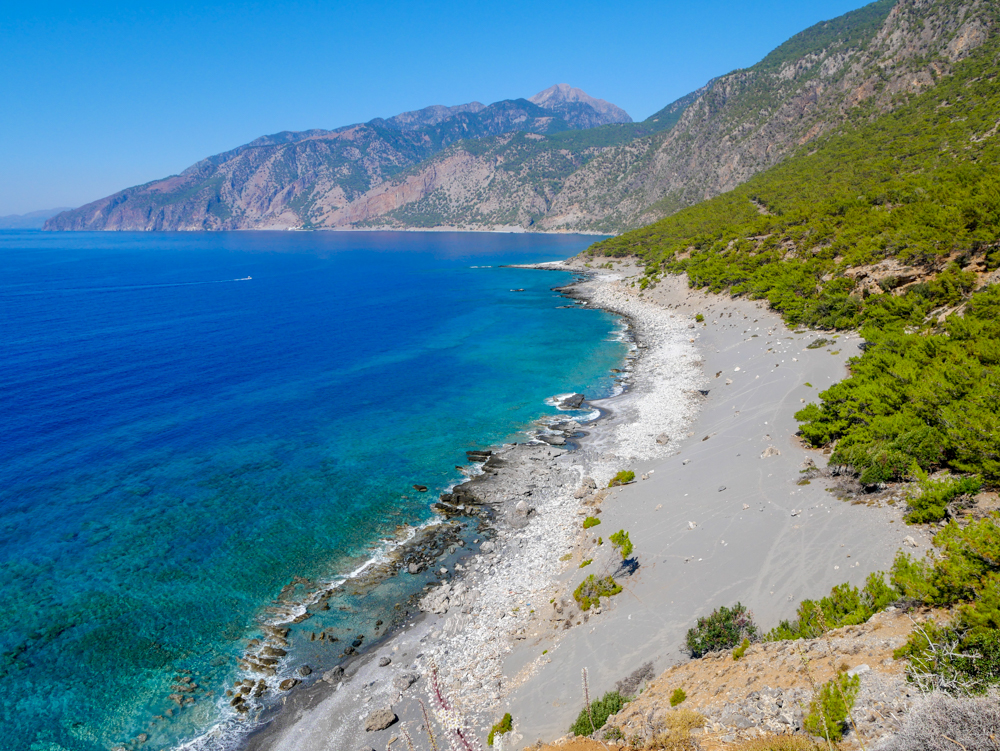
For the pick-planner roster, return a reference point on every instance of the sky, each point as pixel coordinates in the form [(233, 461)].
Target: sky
[(100, 96)]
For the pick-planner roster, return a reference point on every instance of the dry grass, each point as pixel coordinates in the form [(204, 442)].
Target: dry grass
[(673, 731), (946, 723), (778, 743)]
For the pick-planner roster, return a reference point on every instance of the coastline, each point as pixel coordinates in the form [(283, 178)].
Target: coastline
[(503, 629)]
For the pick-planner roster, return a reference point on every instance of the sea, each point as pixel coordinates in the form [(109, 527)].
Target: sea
[(200, 429)]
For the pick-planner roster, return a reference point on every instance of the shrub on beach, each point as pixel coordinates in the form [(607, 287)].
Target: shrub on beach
[(624, 477), (504, 726), (725, 628), (592, 589), (622, 544), (609, 704), (591, 521), (677, 697), (699, 318), (844, 606), (928, 502)]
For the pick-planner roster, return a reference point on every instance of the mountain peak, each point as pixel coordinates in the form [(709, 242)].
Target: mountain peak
[(563, 97)]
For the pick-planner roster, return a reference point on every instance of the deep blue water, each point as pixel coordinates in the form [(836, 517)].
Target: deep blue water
[(179, 444)]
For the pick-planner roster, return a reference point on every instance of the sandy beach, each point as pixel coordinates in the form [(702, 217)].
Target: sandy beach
[(719, 513)]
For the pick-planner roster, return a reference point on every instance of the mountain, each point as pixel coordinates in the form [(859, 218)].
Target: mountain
[(518, 164), (313, 178), (863, 64), (31, 220), (580, 106)]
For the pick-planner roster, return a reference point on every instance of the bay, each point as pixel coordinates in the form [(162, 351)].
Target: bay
[(196, 424)]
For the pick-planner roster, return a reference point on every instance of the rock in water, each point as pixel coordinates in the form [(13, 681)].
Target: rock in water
[(288, 684), (572, 402), (380, 719)]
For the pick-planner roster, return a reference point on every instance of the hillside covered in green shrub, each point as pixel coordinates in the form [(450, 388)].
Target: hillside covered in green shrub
[(914, 195)]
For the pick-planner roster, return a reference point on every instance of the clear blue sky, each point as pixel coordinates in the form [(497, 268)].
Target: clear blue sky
[(98, 96)]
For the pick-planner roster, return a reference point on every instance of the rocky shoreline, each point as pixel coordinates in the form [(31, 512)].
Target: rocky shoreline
[(529, 501), (501, 631)]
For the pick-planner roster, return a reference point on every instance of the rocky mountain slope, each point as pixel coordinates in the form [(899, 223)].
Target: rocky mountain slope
[(519, 164), (312, 178)]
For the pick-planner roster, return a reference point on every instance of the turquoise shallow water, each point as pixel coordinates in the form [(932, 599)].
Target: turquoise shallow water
[(181, 443)]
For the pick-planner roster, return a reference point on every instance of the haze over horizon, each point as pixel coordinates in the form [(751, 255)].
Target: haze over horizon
[(110, 95)]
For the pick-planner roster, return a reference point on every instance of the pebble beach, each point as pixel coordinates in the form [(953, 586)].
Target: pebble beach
[(718, 512)]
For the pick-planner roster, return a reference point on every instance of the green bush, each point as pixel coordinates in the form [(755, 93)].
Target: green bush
[(725, 628), (844, 606), (504, 726), (891, 187), (830, 707), (677, 697), (609, 704), (592, 589), (623, 477), (699, 318), (622, 544), (965, 569), (591, 521), (585, 563), (929, 501), (741, 650)]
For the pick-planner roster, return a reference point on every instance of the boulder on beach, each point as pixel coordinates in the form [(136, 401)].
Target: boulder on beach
[(663, 439), (383, 661), (380, 719), (334, 675), (404, 680)]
